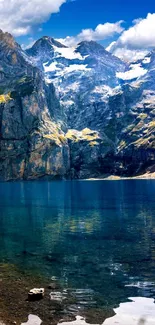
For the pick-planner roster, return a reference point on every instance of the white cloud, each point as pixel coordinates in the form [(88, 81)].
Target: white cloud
[(20, 16), (101, 32), (125, 53), (135, 42), (141, 35), (130, 55)]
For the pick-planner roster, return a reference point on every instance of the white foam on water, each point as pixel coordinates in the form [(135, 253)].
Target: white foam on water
[(140, 284), (33, 320)]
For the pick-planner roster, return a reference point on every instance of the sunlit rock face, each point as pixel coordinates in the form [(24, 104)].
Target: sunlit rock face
[(32, 123), (74, 112), (100, 92)]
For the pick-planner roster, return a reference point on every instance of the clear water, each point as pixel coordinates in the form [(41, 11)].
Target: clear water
[(96, 237)]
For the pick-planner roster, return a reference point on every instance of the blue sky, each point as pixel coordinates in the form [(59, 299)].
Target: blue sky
[(81, 14), (126, 28)]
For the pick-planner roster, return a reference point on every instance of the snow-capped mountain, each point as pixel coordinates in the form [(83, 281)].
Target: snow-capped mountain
[(74, 112), (89, 63), (87, 71), (99, 91)]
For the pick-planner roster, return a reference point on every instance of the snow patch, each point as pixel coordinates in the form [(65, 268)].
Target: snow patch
[(59, 72), (72, 68), (67, 102), (146, 60), (102, 89), (135, 72), (51, 67), (74, 86), (68, 53), (48, 80), (77, 67)]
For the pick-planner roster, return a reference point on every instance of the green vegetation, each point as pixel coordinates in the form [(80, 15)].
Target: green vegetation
[(59, 139), (84, 135), (122, 145), (93, 143), (143, 116), (5, 98)]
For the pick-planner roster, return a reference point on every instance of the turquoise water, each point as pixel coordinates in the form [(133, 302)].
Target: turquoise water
[(96, 237)]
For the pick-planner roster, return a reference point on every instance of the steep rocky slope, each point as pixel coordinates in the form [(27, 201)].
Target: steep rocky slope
[(31, 119), (74, 112)]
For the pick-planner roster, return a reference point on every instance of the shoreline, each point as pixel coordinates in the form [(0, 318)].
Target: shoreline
[(54, 308), (147, 176), (104, 177)]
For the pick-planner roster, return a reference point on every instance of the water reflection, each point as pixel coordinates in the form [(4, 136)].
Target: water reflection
[(139, 311), (97, 238)]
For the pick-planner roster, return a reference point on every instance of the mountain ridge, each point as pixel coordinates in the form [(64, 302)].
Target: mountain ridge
[(74, 112)]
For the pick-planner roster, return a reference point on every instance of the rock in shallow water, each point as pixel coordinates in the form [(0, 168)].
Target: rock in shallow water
[(36, 294), (53, 286), (33, 320)]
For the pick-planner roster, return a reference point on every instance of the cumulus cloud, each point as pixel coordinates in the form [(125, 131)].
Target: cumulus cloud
[(126, 54), (20, 16), (135, 42), (141, 35), (101, 32)]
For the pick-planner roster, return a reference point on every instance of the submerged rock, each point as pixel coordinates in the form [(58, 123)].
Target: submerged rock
[(58, 296), (53, 286), (79, 321), (36, 294)]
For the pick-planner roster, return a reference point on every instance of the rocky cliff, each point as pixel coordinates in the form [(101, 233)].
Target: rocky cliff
[(32, 122), (74, 113)]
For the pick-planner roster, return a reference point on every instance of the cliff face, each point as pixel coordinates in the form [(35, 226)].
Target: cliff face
[(133, 130), (31, 120), (92, 121)]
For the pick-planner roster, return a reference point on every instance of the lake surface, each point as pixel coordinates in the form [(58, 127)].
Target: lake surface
[(97, 238)]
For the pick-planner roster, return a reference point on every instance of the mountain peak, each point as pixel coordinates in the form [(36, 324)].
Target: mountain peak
[(90, 43), (45, 44), (52, 41), (7, 39), (87, 47)]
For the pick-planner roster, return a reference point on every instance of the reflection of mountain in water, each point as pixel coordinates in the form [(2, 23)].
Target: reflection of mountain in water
[(97, 237)]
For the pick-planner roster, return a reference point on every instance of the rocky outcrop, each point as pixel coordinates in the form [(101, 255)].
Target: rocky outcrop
[(36, 294), (31, 145)]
